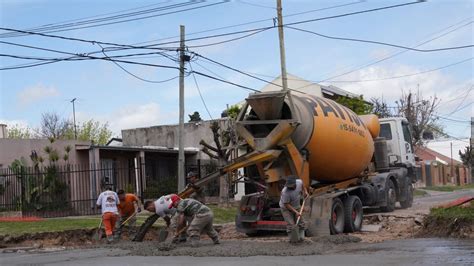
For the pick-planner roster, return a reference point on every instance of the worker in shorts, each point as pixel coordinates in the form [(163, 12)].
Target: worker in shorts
[(128, 208), (198, 193), (163, 208), (202, 219), (108, 201), (290, 202)]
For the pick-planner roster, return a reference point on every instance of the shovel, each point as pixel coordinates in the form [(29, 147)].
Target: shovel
[(163, 235), (296, 234), (98, 233)]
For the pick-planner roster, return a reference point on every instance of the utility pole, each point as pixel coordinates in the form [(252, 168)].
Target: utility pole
[(284, 78), (452, 164), (74, 117), (181, 180)]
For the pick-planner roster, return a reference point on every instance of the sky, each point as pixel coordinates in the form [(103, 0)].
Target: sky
[(107, 93)]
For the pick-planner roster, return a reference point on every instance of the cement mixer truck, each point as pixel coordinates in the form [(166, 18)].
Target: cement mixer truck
[(348, 162)]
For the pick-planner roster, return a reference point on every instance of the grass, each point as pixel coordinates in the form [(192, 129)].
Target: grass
[(450, 188), (454, 212), (419, 193), (221, 215)]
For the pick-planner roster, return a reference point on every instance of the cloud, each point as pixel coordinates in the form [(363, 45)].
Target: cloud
[(130, 116), (36, 93)]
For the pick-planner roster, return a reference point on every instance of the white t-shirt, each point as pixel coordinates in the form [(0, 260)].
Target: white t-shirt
[(291, 196), (162, 206), (108, 200)]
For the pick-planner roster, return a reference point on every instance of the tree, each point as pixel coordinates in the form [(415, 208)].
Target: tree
[(195, 117), (17, 132), (467, 157), (52, 126), (356, 104), (420, 113), (91, 130), (233, 111), (380, 108)]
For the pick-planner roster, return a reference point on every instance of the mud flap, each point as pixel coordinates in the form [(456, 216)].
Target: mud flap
[(318, 217)]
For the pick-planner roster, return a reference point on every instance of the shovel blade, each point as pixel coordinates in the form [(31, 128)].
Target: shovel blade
[(163, 235)]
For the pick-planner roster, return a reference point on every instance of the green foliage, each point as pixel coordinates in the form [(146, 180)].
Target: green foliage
[(91, 130), (381, 108), (17, 132), (450, 188), (358, 105), (195, 117), (233, 111), (156, 189), (467, 157)]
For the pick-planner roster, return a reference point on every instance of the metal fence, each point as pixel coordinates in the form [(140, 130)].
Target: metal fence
[(72, 190)]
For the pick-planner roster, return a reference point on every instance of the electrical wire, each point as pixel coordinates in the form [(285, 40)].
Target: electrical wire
[(133, 75), (460, 104), (229, 40), (404, 51), (199, 91), (255, 5), (225, 81), (133, 19), (382, 43)]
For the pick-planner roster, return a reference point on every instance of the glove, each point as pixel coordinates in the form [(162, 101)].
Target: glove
[(139, 210)]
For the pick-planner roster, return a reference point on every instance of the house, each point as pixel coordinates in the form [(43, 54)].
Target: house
[(438, 169)]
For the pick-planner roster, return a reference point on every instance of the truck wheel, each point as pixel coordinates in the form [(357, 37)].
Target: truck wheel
[(408, 202), (336, 222), (352, 214), (391, 197)]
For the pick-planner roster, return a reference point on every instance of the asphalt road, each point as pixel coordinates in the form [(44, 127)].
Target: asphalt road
[(400, 252)]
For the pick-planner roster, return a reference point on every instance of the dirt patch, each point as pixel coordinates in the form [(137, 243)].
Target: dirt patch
[(391, 227), (447, 227)]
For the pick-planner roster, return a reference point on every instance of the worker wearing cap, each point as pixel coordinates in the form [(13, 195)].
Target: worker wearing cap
[(290, 202), (128, 209), (202, 218), (163, 207), (198, 193)]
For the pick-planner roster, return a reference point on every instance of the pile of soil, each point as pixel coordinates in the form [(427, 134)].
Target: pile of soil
[(434, 226), (391, 227)]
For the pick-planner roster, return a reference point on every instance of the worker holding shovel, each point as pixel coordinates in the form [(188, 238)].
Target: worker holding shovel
[(291, 208), (108, 201), (163, 207), (129, 207)]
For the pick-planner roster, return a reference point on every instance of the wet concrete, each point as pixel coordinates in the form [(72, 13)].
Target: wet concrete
[(399, 252)]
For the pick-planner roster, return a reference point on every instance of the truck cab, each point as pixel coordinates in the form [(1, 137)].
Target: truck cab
[(396, 131)]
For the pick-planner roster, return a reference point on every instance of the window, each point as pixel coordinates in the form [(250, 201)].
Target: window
[(386, 131), (406, 132)]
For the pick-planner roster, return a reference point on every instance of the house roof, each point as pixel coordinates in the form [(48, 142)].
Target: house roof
[(428, 154), (444, 147)]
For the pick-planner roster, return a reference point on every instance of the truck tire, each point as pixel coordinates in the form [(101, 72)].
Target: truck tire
[(336, 222), (408, 202), (353, 214), (391, 197)]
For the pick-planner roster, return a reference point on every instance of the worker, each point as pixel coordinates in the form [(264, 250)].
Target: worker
[(290, 202), (163, 208), (198, 193), (128, 208), (108, 201), (202, 218)]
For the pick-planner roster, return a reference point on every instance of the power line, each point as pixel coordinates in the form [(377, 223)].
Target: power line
[(225, 81), (229, 40), (199, 91), (459, 105), (404, 51), (403, 76), (133, 75), (382, 43), (52, 29), (255, 5), (256, 21)]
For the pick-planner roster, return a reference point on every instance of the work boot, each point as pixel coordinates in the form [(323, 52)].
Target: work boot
[(216, 241), (110, 239)]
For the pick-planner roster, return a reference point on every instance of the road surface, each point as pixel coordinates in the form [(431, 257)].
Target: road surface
[(399, 252)]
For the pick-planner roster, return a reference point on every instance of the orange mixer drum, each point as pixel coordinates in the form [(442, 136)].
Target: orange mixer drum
[(339, 142)]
